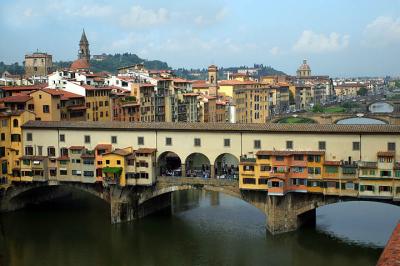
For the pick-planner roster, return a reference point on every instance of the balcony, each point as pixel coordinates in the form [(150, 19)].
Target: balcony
[(370, 165), (247, 160)]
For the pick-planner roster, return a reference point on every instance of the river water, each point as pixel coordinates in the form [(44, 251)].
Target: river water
[(204, 228)]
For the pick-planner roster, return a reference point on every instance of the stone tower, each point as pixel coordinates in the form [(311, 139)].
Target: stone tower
[(213, 80), (304, 70), (84, 52)]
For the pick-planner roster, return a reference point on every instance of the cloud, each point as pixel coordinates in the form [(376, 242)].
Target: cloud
[(382, 31), (138, 17), (205, 20), (320, 43), (275, 50)]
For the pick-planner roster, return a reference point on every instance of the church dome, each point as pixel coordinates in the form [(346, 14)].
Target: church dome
[(80, 64), (305, 66)]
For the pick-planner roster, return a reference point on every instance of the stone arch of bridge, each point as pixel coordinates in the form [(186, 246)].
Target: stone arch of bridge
[(379, 101), (366, 116), (169, 164), (226, 165), (197, 164), (19, 196)]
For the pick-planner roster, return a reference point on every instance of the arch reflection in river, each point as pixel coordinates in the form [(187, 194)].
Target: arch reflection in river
[(381, 107)]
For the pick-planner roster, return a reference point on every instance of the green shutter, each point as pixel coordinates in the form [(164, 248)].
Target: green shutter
[(337, 184), (362, 188), (343, 185)]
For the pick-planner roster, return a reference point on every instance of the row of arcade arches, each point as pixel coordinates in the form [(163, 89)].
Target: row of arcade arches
[(198, 165)]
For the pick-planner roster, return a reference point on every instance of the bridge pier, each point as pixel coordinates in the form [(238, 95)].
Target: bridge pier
[(125, 205), (284, 214)]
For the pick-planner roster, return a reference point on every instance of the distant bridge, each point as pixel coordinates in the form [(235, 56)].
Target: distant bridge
[(333, 118), (284, 213)]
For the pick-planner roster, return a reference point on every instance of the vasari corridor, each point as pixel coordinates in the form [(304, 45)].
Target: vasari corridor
[(213, 132)]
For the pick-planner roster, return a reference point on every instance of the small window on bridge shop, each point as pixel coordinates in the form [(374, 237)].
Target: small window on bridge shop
[(275, 184), (265, 168), (51, 151), (257, 144), (349, 186), (140, 140), (289, 144), (168, 141), (28, 150), (87, 139), (386, 173), (197, 142), (322, 145), (114, 139), (397, 173), (248, 167), (367, 188), (397, 190), (144, 175), (63, 172), (88, 173), (3, 137), (263, 157), (263, 181), (330, 169), (297, 169), (385, 189), (118, 162), (311, 170), (356, 146), (391, 146), (227, 142), (107, 161), (28, 137), (298, 157), (26, 162), (62, 137), (279, 158), (250, 181)]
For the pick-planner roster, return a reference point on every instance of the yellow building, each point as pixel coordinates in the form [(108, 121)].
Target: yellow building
[(98, 103), (11, 148), (46, 104)]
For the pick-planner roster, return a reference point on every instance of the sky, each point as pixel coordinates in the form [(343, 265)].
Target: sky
[(340, 38)]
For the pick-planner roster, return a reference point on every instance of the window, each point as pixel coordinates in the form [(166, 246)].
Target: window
[(88, 173), (262, 181), (28, 137), (317, 170), (62, 137), (15, 123), (265, 168), (51, 151), (356, 146), (76, 172), (15, 138), (298, 157), (140, 140), (279, 158), (289, 144), (107, 161), (197, 142), (257, 144), (46, 109), (317, 158), (227, 142), (88, 161), (63, 172), (87, 139), (391, 146), (310, 158), (168, 141), (113, 139), (144, 175), (4, 122), (372, 172), (311, 170), (3, 137), (29, 150), (322, 145), (263, 157), (248, 167), (251, 181), (386, 173), (40, 150), (118, 162)]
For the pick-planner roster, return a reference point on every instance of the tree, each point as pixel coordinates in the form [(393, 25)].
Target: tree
[(317, 109), (362, 91)]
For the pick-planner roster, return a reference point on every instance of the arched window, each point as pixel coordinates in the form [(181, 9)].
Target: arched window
[(15, 123)]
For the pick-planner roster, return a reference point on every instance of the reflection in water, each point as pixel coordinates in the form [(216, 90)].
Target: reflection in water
[(360, 121), (205, 229)]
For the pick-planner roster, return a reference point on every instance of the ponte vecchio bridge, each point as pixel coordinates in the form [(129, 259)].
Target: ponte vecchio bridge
[(208, 151)]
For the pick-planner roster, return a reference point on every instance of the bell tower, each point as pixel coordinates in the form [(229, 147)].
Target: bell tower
[(84, 52)]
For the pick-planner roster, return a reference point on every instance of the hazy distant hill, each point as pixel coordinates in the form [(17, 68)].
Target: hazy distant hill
[(112, 62), (201, 74)]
